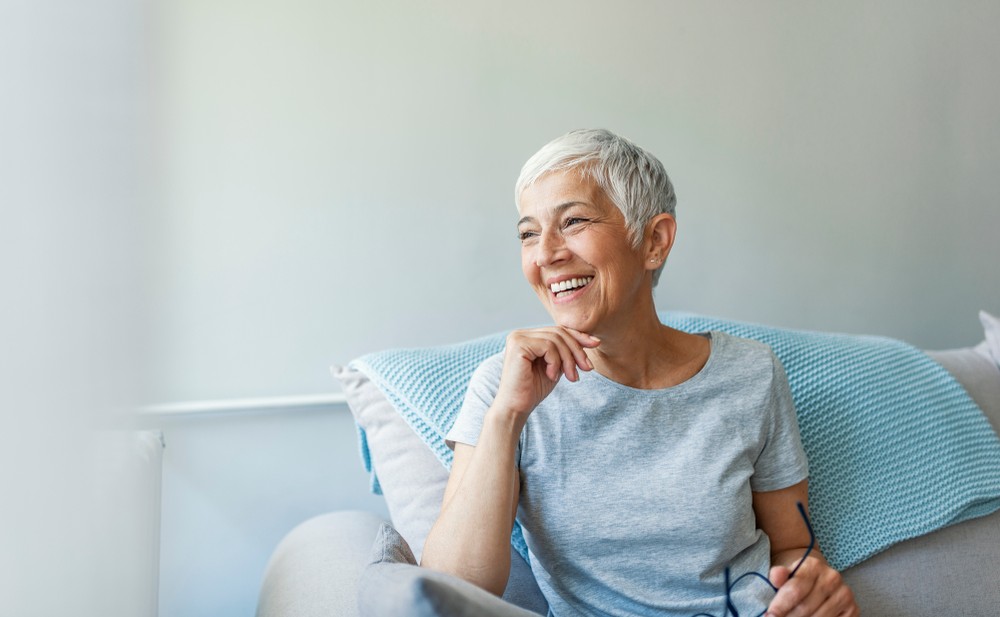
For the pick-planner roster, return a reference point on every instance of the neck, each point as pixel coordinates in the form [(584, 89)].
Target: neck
[(643, 353)]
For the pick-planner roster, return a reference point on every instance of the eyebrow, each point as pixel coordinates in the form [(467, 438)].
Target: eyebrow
[(558, 210)]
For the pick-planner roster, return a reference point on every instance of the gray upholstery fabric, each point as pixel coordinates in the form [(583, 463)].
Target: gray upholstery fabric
[(390, 547), (952, 571), (314, 570), (392, 584), (522, 589), (978, 374)]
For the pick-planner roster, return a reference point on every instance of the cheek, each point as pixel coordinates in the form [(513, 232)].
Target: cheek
[(625, 267), (528, 267)]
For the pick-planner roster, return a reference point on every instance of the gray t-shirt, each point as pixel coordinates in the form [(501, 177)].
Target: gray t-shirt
[(633, 501)]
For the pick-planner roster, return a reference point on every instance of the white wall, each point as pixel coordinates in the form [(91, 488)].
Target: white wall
[(79, 489), (335, 178)]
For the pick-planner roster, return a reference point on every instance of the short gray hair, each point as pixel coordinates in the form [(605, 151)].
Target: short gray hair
[(633, 179)]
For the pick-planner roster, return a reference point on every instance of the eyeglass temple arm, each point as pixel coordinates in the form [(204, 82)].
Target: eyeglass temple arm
[(812, 538)]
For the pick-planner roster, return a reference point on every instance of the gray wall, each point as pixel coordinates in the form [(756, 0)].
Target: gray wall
[(336, 178)]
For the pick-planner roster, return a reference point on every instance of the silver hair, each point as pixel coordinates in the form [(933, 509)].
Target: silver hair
[(632, 178)]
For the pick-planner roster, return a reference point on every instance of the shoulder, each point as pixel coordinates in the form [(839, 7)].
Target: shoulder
[(745, 358), (481, 389), (746, 366), (492, 365), (487, 374)]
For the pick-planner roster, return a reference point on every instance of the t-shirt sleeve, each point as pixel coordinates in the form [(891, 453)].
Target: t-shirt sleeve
[(482, 390), (782, 461)]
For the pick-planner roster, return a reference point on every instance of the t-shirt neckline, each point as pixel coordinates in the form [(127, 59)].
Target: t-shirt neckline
[(715, 342)]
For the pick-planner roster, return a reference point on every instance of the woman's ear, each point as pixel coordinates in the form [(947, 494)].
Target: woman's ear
[(660, 234)]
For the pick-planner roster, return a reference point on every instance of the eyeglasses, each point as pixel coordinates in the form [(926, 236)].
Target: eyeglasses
[(730, 584)]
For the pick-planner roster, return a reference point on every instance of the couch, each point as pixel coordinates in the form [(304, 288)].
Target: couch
[(355, 563)]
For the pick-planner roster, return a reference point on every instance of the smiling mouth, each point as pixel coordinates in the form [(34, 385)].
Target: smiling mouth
[(567, 287)]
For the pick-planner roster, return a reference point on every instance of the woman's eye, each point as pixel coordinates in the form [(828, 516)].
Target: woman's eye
[(525, 235), (573, 220)]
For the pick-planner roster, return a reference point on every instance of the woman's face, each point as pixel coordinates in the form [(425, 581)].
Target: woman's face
[(576, 254)]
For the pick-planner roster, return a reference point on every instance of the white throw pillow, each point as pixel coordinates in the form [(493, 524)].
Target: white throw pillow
[(412, 478), (991, 329)]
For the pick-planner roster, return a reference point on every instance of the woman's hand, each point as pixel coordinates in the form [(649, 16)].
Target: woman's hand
[(533, 362), (815, 590)]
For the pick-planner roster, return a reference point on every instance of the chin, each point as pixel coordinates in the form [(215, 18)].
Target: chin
[(577, 323)]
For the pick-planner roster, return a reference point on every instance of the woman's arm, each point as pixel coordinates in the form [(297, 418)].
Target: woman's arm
[(471, 538), (816, 589)]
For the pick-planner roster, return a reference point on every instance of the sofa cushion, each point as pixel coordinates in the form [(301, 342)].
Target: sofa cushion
[(392, 584)]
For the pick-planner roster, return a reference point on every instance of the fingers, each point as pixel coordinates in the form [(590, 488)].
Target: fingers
[(585, 340), (559, 358), (571, 344), (791, 594), (534, 361), (561, 349), (816, 590), (779, 575), (839, 604)]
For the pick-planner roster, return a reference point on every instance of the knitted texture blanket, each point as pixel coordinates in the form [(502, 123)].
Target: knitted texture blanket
[(896, 447)]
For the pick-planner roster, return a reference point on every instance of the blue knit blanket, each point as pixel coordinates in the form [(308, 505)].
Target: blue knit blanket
[(896, 447)]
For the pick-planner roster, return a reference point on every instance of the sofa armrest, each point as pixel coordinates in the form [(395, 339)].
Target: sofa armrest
[(317, 566)]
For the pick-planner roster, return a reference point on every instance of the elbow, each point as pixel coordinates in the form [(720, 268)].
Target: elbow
[(492, 579)]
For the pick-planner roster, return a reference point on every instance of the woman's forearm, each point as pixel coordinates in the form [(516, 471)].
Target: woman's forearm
[(471, 538)]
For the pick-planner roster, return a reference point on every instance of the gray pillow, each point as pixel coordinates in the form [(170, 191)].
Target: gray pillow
[(392, 584)]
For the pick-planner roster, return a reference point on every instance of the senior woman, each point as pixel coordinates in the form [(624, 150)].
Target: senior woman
[(641, 461)]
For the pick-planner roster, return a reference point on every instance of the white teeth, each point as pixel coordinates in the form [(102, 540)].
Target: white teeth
[(570, 284)]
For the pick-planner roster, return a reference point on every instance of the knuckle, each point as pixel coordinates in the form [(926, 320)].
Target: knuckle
[(514, 335), (830, 579), (795, 592)]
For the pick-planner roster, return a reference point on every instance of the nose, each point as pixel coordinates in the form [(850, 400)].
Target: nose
[(551, 248)]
